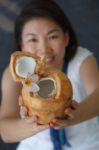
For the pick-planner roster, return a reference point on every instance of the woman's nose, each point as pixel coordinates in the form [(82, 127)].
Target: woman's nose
[(44, 47)]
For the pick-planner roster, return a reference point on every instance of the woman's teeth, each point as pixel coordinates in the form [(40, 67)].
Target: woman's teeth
[(49, 60)]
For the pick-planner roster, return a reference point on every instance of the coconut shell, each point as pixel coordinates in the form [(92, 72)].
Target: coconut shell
[(45, 108)]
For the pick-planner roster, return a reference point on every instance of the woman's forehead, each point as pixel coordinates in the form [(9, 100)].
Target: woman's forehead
[(41, 25)]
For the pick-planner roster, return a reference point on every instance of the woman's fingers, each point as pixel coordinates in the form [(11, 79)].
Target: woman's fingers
[(74, 104), (70, 110), (31, 120), (20, 101), (69, 113), (43, 127), (23, 112), (58, 123), (34, 126)]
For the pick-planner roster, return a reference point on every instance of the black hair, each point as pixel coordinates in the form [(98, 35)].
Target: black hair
[(47, 9)]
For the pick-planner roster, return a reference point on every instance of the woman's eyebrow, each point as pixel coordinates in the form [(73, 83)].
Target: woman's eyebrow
[(30, 34), (49, 32), (53, 30)]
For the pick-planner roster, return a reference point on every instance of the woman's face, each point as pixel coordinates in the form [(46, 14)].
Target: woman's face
[(42, 36)]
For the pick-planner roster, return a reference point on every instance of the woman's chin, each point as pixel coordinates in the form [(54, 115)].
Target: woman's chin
[(52, 65)]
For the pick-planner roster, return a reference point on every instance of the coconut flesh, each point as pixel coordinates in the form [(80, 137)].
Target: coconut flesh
[(25, 65), (47, 85)]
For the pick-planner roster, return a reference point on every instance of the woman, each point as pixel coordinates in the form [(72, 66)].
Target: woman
[(43, 28)]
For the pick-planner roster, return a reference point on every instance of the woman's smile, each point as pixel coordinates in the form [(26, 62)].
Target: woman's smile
[(49, 60)]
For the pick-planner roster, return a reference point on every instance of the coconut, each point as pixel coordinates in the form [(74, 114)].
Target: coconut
[(46, 92)]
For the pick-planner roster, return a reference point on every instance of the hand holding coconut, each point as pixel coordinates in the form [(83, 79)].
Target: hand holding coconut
[(46, 92)]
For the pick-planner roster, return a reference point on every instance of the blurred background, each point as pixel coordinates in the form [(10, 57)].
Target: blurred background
[(83, 15)]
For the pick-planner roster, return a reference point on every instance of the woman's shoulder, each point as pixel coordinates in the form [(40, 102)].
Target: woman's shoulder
[(84, 50), (81, 55), (6, 74), (8, 79)]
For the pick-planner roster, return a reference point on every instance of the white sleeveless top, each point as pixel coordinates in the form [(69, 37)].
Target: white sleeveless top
[(84, 136)]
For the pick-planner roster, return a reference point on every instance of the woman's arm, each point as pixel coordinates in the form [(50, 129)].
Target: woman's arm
[(89, 107), (13, 128), (85, 110)]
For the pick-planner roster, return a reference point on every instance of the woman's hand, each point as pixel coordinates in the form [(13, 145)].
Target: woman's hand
[(30, 121), (58, 123)]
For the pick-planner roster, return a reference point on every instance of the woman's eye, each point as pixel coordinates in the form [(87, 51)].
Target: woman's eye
[(54, 37), (32, 40)]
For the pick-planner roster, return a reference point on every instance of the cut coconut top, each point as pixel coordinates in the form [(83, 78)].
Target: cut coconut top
[(47, 87), (25, 65)]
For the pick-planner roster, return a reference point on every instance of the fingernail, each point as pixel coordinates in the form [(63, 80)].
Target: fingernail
[(35, 118), (51, 125), (66, 111), (47, 126), (54, 121), (24, 109)]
